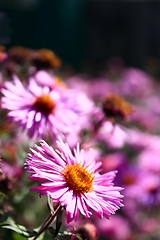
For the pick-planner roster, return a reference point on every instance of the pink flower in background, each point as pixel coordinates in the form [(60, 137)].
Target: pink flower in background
[(100, 87), (138, 139), (42, 111), (73, 180), (150, 185), (145, 118), (135, 83), (45, 79), (79, 84), (117, 228), (85, 230), (113, 161), (112, 134), (148, 156), (10, 175), (149, 159), (141, 186)]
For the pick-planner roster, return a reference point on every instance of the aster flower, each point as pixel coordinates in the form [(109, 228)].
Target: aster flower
[(110, 229), (136, 83), (42, 110), (43, 78), (114, 135), (73, 180)]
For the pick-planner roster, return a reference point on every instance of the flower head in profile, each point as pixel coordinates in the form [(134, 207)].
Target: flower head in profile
[(73, 180), (42, 110)]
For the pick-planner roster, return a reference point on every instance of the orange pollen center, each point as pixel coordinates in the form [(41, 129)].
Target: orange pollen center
[(78, 178), (44, 104)]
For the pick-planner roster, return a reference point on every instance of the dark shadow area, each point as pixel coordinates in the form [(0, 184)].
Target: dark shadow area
[(86, 30)]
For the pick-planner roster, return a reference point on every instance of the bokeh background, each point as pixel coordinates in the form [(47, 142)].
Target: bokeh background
[(85, 33), (117, 44)]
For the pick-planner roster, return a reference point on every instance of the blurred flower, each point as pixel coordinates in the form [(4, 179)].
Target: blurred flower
[(44, 111), (18, 54), (145, 118), (141, 140), (3, 54), (148, 146), (10, 173), (116, 108), (150, 189), (87, 231), (44, 59), (113, 135), (113, 161), (45, 79), (41, 58), (135, 83), (139, 185), (96, 88), (79, 83), (73, 180), (149, 225), (25, 61), (149, 159), (99, 87), (117, 228)]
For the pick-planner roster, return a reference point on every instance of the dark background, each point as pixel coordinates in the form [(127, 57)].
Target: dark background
[(79, 31)]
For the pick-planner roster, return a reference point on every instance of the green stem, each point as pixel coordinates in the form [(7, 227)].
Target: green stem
[(47, 222)]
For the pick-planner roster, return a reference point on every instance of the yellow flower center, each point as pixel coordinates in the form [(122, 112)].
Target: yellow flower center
[(44, 104), (78, 178)]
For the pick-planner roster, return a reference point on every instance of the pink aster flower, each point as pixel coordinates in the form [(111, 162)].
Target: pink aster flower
[(114, 135), (73, 180), (42, 110), (135, 83), (117, 228)]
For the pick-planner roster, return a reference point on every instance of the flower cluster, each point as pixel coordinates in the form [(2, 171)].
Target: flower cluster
[(90, 145)]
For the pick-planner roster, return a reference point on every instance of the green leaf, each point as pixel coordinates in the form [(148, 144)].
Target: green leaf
[(64, 235), (41, 237), (17, 236), (3, 217), (19, 229), (2, 197)]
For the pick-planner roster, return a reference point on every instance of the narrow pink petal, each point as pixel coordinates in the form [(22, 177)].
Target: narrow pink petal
[(82, 206), (57, 192), (66, 198), (76, 213), (38, 116), (91, 201), (70, 209), (50, 150)]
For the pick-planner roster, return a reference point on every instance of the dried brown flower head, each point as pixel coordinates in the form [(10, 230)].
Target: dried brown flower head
[(44, 59), (115, 107), (19, 54)]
